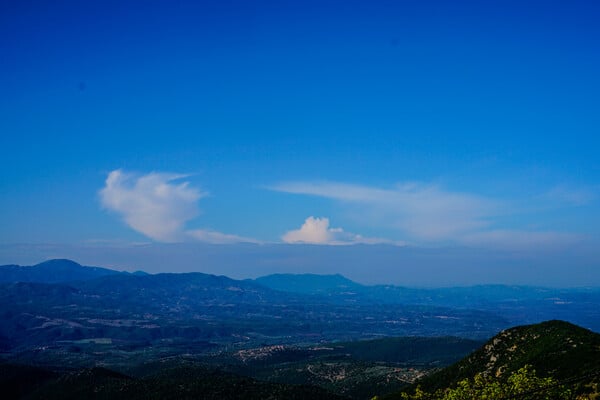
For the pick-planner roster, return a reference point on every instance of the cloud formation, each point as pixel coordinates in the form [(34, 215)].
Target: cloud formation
[(153, 204), (214, 237), (158, 205), (427, 214), (423, 211), (317, 231), (314, 230)]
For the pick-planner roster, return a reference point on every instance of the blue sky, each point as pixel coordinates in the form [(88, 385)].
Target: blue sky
[(410, 124)]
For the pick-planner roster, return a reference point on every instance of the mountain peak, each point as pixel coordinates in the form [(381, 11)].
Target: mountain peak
[(52, 271), (307, 283), (58, 263)]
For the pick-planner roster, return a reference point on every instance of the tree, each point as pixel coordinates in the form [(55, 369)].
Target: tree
[(524, 384)]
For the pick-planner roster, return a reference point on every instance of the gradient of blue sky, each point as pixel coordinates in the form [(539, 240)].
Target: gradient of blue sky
[(480, 117)]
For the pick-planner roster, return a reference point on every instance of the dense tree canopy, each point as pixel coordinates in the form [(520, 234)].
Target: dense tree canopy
[(522, 385)]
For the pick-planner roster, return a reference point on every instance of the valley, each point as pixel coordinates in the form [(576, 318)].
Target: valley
[(322, 332)]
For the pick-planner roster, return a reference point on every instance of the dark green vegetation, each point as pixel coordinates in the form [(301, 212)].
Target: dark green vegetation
[(553, 349), (264, 335), (16, 381), (356, 369), (183, 382), (523, 384)]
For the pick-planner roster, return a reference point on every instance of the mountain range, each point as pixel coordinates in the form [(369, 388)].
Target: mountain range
[(263, 335), (547, 302), (53, 271)]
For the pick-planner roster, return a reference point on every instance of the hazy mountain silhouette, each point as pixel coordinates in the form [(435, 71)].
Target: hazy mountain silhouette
[(53, 271)]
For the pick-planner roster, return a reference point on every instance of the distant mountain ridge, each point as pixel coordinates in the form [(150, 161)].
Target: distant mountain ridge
[(308, 283), (183, 307), (60, 300), (54, 271), (90, 315), (578, 305)]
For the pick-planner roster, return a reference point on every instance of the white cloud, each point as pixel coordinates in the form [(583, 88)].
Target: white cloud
[(422, 211), (314, 230), (431, 214), (215, 237), (317, 231), (158, 205), (152, 204)]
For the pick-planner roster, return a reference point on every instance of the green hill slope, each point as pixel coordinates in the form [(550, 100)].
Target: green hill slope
[(555, 349)]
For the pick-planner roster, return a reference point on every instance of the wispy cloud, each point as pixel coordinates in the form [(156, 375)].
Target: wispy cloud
[(209, 236), (428, 213), (423, 211), (571, 196), (317, 231), (158, 205)]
